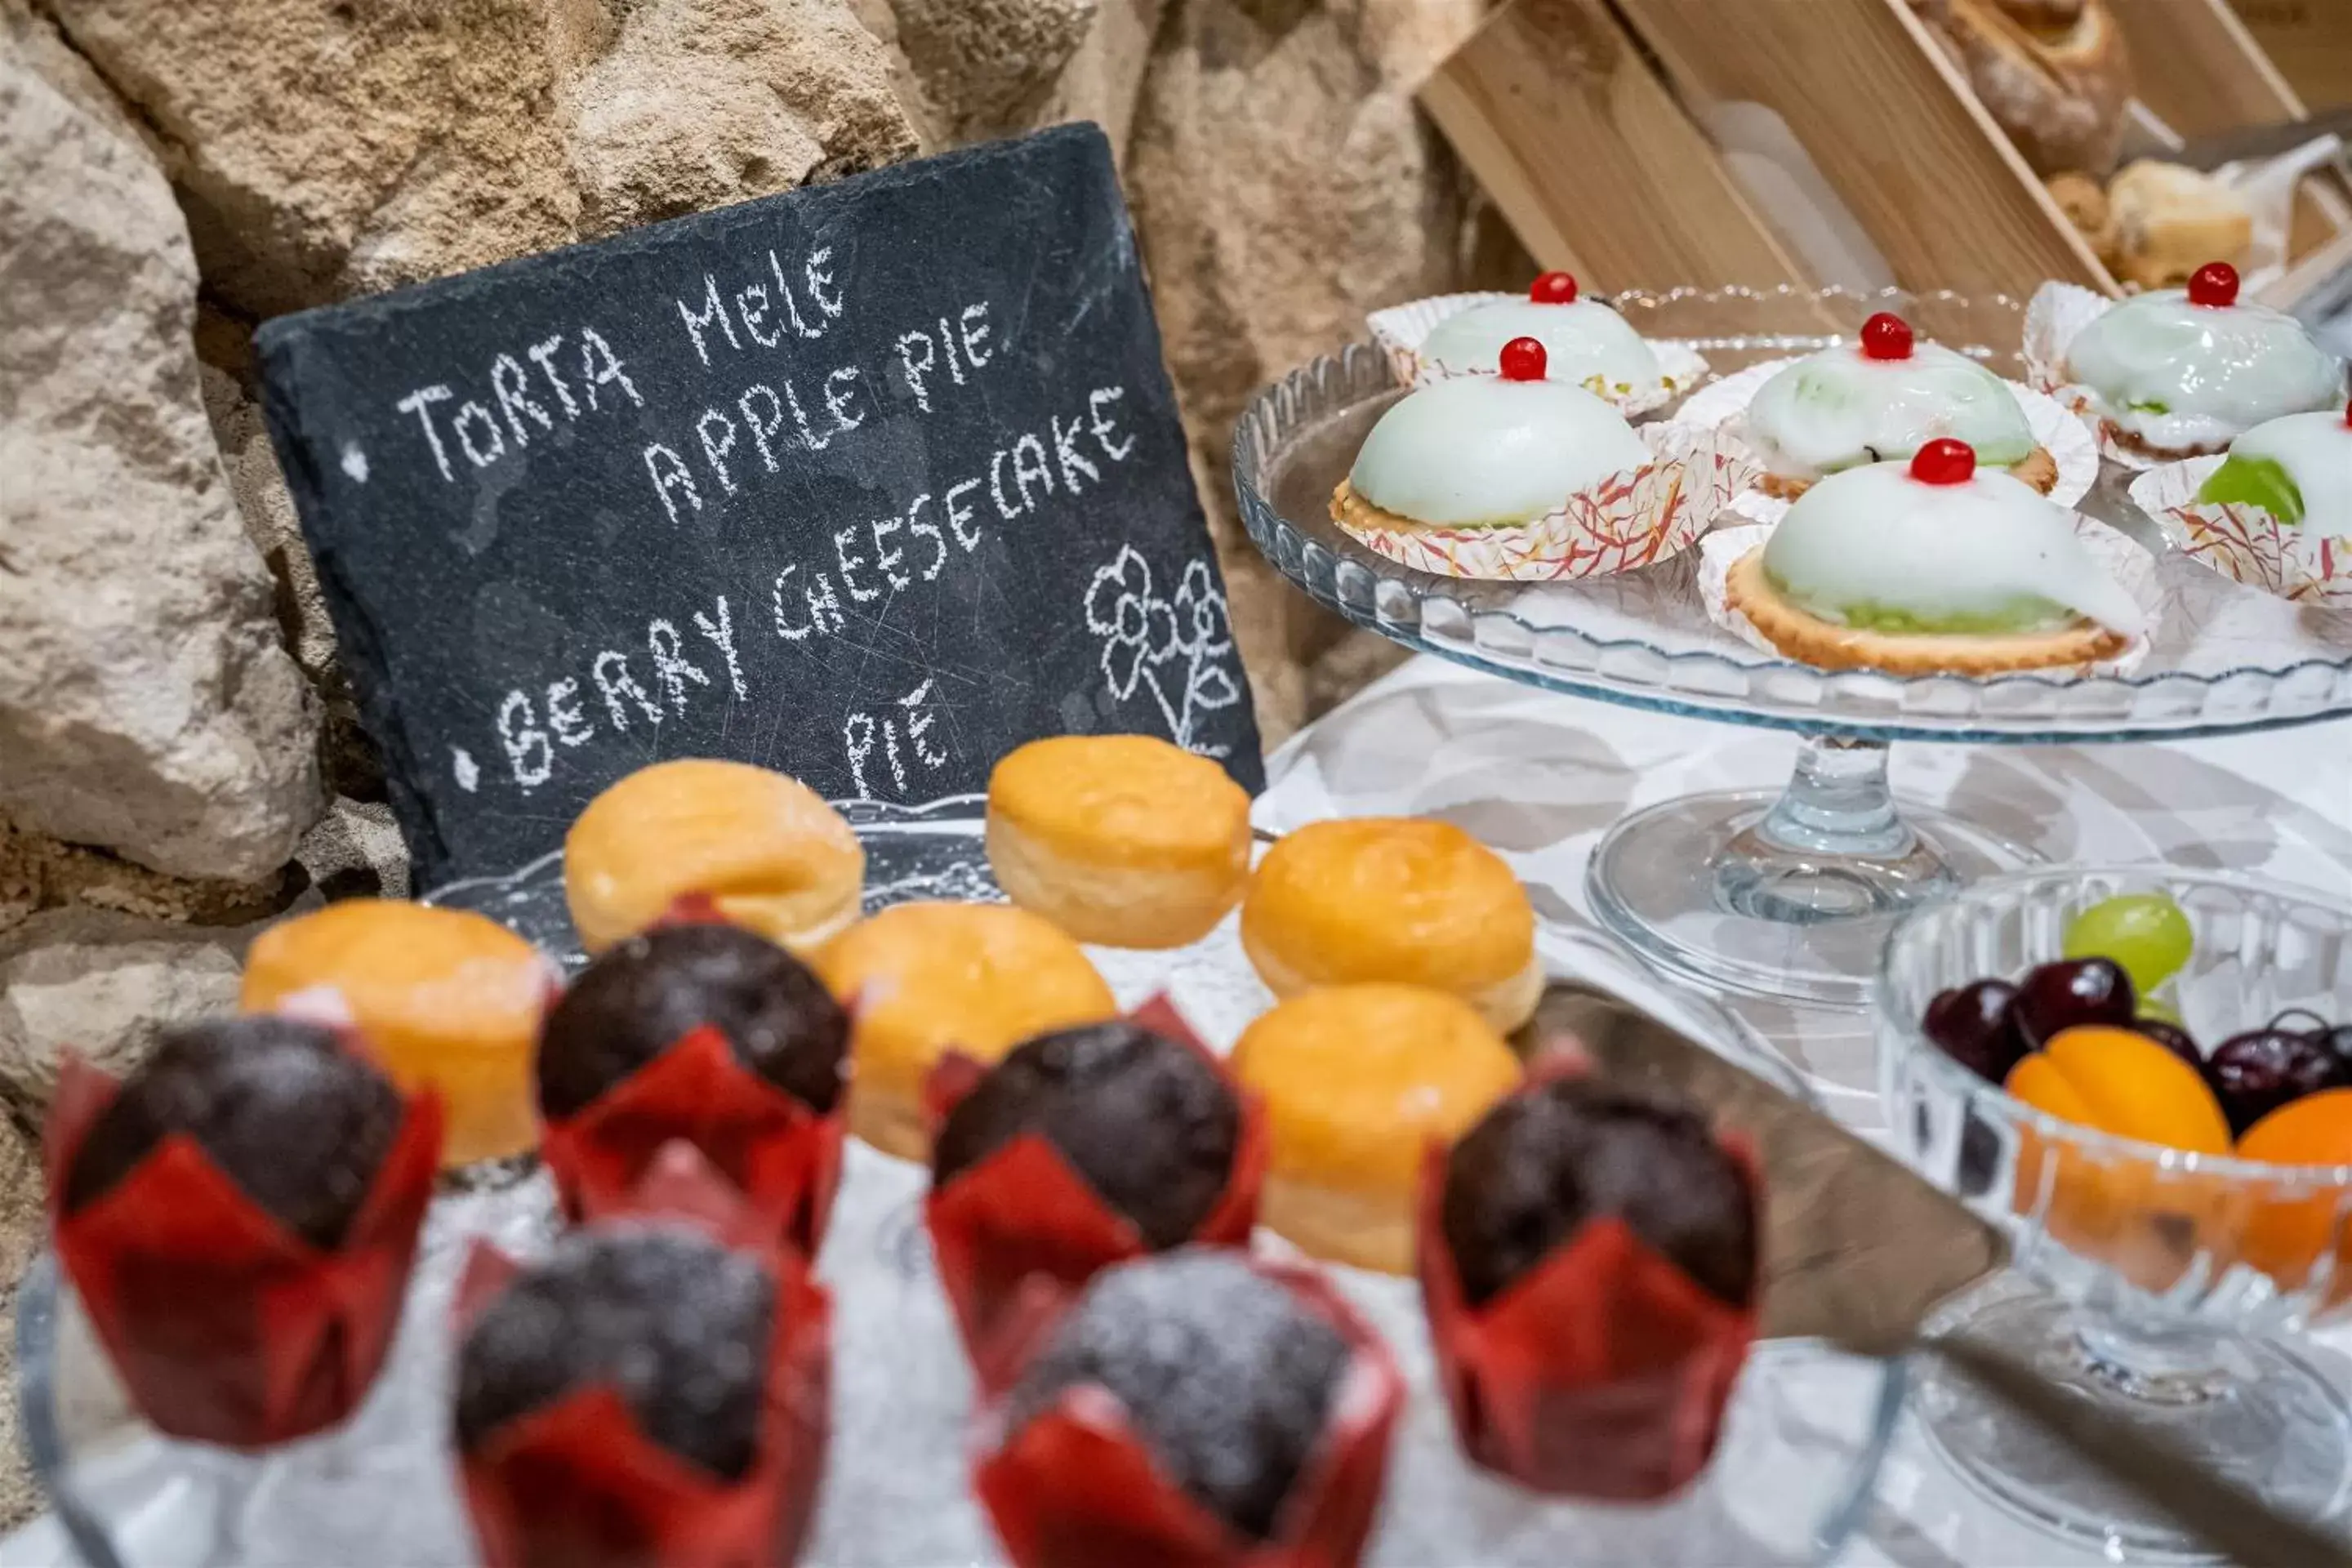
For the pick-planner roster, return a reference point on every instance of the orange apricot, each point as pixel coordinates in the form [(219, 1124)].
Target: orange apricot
[(2286, 1237), (2120, 1081)]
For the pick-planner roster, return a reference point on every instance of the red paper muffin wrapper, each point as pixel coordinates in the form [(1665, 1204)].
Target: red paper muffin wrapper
[(578, 1483), (1077, 1486), (1022, 1227), (783, 1156), (1603, 1372), (224, 1326)]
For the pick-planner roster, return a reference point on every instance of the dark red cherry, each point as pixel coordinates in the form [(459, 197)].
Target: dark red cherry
[(1554, 288), (2173, 1038), (2348, 413), (1524, 359), (2069, 992), (2258, 1071), (1971, 1026), (1945, 461), (1886, 336), (2214, 284)]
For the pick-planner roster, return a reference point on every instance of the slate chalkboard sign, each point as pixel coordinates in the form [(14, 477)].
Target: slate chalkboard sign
[(869, 482)]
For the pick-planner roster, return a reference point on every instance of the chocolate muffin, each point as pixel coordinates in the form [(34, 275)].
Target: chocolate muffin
[(679, 1325), (1149, 1124), (1551, 1158), (297, 1123), (642, 995), (1226, 1377)]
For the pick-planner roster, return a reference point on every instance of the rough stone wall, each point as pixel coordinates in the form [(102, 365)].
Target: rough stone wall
[(179, 753)]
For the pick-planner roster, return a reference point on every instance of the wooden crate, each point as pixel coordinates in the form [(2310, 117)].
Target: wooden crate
[(1574, 113)]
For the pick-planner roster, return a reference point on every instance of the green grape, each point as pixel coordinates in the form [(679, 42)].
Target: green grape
[(2145, 932), (2162, 1011)]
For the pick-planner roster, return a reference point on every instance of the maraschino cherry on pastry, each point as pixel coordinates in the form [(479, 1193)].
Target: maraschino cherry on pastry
[(239, 1217), (1886, 398), (1081, 1149), (922, 978), (1590, 1264), (764, 847), (1409, 899), (2176, 374), (1586, 343), (1931, 567), (1121, 840), (1201, 1408), (655, 1394), (706, 1033), (443, 998), (1356, 1081)]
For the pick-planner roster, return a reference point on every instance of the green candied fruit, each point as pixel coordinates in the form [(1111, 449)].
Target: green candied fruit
[(1826, 392), (2254, 481), (2155, 406), (2026, 613), (2145, 932)]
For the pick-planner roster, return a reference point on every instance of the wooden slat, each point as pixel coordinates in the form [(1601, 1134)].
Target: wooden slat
[(1591, 159), (1892, 126), (2310, 41)]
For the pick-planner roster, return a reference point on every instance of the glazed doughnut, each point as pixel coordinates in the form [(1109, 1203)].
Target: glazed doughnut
[(445, 999), (769, 851), (1357, 1082), (920, 978), (1124, 840), (1397, 898)]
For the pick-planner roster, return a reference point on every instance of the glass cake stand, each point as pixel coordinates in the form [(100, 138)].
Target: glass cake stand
[(1791, 894), (1806, 1431)]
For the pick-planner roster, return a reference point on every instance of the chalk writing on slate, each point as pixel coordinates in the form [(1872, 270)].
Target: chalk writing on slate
[(869, 482)]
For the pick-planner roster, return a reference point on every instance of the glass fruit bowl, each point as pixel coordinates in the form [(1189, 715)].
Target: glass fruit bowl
[(2172, 1284)]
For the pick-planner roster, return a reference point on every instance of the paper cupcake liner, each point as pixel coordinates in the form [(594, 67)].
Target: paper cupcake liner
[(1634, 519), (2055, 428), (2244, 543), (2133, 570), (1400, 329)]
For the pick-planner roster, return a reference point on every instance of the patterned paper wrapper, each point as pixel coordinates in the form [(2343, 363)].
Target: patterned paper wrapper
[(1400, 329), (1077, 1486), (2244, 542), (577, 1482), (225, 1327), (1017, 1236), (1631, 519), (2133, 568), (1723, 404), (1602, 1373)]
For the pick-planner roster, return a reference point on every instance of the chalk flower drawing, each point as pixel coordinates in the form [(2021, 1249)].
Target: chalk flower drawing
[(1146, 639)]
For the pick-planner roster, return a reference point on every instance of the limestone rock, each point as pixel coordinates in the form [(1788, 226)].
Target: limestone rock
[(1103, 79), (1285, 186), (325, 148), (983, 61), (104, 985), (38, 873), (144, 702), (356, 852), (703, 102), (24, 1225)]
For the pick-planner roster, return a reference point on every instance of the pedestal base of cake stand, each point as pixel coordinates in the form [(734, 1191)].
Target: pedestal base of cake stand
[(1786, 896)]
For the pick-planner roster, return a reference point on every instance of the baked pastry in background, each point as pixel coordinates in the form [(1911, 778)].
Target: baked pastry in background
[(2164, 222), (1881, 398), (764, 847), (2053, 74), (2084, 200), (445, 999), (922, 977), (1931, 568), (1357, 1082), (1125, 840), (2180, 373), (1403, 899)]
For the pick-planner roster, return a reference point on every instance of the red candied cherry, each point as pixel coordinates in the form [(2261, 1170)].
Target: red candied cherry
[(1945, 461), (1886, 336), (2214, 284), (1524, 359), (2348, 413), (1554, 288)]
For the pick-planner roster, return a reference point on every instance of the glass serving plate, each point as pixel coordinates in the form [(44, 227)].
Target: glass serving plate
[(2170, 1282), (1787, 895), (1807, 1429)]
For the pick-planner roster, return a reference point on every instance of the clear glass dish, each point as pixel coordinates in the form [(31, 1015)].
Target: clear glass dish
[(2170, 1284), (1788, 896), (1807, 1429)]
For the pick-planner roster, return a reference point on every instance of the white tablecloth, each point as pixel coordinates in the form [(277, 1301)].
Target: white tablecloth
[(1541, 777)]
